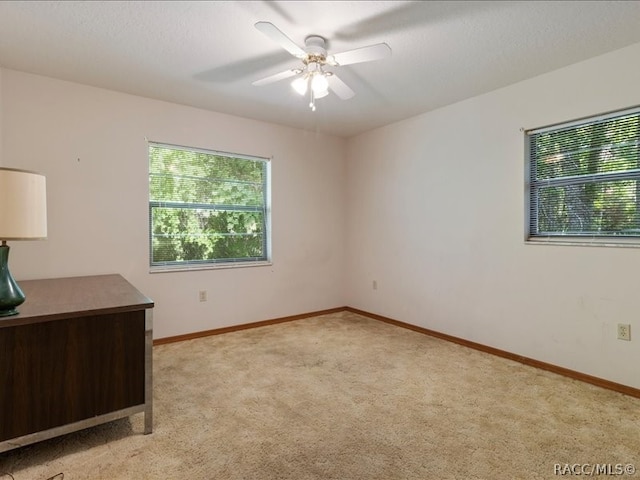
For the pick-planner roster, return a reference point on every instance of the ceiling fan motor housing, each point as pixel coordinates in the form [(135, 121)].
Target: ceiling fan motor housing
[(315, 48)]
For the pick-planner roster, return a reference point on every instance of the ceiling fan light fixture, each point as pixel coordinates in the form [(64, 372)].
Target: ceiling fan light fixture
[(300, 85), (322, 94), (312, 79), (320, 85)]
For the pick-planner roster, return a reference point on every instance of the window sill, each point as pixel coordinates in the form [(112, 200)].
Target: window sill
[(208, 266), (585, 242)]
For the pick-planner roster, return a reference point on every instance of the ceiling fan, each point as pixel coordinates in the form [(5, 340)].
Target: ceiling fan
[(312, 76)]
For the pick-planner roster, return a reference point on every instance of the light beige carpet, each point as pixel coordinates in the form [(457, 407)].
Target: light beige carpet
[(345, 397)]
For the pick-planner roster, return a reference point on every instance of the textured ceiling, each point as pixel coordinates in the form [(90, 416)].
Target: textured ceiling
[(206, 54)]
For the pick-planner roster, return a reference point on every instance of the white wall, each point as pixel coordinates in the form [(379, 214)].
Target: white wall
[(90, 143), (436, 216), (1, 116)]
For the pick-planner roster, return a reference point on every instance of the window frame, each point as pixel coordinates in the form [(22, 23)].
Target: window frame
[(532, 186), (217, 263)]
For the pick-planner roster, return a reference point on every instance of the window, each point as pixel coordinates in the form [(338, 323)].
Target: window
[(584, 179), (207, 208)]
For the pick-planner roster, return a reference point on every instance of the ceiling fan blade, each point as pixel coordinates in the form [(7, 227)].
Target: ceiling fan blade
[(271, 31), (276, 77), (359, 55), (340, 88)]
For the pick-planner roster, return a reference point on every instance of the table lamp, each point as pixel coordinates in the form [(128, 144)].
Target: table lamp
[(23, 216)]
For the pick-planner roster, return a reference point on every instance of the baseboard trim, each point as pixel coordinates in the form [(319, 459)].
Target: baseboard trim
[(244, 326), (583, 377)]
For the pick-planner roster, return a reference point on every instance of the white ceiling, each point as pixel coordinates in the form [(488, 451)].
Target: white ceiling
[(206, 54)]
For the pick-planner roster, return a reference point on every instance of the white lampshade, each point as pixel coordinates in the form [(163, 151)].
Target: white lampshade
[(23, 205)]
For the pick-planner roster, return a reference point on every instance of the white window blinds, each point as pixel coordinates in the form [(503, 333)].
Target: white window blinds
[(206, 207), (584, 178)]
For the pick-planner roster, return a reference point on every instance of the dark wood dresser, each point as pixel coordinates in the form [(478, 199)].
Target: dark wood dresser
[(78, 354)]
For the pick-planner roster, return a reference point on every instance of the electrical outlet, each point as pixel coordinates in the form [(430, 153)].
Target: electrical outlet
[(202, 295), (624, 331), (375, 285)]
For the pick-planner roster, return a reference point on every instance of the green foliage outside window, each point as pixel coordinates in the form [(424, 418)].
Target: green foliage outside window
[(585, 178), (206, 207)]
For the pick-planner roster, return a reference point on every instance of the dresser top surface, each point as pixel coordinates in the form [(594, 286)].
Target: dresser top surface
[(54, 298)]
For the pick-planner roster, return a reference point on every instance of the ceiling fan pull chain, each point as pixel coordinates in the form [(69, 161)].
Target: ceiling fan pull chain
[(312, 102)]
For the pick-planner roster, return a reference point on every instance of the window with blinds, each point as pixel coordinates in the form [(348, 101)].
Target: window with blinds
[(584, 178), (206, 207)]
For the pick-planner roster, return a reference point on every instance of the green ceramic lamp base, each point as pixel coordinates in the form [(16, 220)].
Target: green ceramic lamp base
[(10, 293)]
